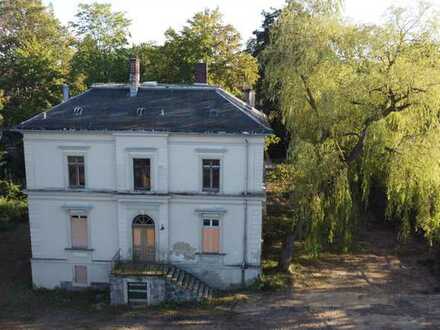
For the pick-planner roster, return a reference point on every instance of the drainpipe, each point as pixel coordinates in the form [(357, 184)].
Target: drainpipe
[(244, 263)]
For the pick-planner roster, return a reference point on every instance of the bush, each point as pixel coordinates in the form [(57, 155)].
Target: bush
[(10, 190), (11, 212)]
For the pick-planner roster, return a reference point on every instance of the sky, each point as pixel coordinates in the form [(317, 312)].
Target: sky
[(151, 18)]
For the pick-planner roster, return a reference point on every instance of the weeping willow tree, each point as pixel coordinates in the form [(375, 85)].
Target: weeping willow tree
[(361, 104)]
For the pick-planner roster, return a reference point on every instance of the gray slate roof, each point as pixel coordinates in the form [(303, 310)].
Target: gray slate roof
[(167, 108)]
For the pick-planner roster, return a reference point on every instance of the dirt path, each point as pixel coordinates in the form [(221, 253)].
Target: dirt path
[(378, 288)]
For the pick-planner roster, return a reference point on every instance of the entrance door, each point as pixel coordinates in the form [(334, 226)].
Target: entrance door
[(144, 238)]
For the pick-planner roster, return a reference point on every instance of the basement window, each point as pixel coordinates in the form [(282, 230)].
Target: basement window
[(211, 236), (142, 173), (80, 275), (75, 166), (211, 175)]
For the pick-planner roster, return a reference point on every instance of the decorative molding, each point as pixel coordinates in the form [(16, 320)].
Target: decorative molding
[(211, 211), (77, 208), (74, 148), (211, 150), (136, 149)]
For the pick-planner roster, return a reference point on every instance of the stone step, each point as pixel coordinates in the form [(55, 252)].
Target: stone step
[(176, 275)]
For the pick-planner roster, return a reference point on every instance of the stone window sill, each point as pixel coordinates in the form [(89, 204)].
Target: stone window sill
[(210, 254), (79, 249)]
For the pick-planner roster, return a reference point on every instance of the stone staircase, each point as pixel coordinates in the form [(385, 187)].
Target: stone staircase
[(173, 274), (188, 281)]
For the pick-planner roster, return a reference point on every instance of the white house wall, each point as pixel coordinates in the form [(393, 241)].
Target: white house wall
[(176, 203), (50, 225), (176, 160)]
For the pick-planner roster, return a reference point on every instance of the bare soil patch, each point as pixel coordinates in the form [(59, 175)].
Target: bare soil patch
[(382, 286)]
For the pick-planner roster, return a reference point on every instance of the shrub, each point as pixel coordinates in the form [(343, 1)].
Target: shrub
[(11, 212), (10, 190)]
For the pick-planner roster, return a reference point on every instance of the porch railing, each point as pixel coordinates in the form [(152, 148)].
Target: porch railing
[(173, 273), (136, 266)]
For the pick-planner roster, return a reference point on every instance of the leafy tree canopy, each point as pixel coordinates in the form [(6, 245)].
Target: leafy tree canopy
[(101, 47), (206, 38), (361, 104), (34, 59)]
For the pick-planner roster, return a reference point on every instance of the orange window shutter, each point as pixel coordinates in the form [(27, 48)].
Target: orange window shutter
[(79, 232), (215, 240), (211, 240), (150, 237), (137, 237), (206, 246)]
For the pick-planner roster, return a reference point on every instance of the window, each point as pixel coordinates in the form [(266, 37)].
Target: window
[(141, 174), (211, 175), (211, 236), (79, 232), (80, 274), (76, 171)]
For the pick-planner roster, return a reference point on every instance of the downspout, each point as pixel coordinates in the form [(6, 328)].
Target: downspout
[(245, 193)]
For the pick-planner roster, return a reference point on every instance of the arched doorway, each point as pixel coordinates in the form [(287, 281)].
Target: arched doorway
[(144, 238)]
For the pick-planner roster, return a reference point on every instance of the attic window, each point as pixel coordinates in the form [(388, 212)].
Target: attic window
[(78, 110), (214, 113), (140, 111)]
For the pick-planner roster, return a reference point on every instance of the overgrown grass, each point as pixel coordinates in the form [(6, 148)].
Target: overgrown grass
[(22, 302)]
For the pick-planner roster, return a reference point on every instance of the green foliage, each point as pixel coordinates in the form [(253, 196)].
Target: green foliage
[(101, 46), (361, 104), (206, 38), (12, 212), (270, 140), (11, 191), (34, 59)]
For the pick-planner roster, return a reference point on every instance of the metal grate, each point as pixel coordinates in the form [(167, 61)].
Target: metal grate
[(137, 293)]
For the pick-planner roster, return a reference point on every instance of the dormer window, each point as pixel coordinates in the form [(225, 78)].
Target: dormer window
[(78, 110), (214, 113)]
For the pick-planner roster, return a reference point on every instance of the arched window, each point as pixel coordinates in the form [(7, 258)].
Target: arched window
[(143, 220)]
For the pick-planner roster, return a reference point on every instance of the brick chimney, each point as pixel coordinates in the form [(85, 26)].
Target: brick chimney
[(65, 92), (201, 73), (134, 76), (249, 96)]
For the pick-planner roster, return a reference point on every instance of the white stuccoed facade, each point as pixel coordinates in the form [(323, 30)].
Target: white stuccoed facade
[(176, 202)]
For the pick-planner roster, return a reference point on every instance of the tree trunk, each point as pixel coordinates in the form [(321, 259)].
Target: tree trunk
[(286, 255)]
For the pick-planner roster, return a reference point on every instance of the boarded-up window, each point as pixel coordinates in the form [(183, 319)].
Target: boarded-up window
[(211, 175), (76, 171), (80, 274), (79, 233), (141, 174), (211, 236)]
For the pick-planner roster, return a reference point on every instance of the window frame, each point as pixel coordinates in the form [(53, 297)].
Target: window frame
[(66, 156), (212, 214), (78, 176), (150, 188), (78, 210), (211, 219), (80, 215), (203, 157), (79, 284), (140, 153)]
